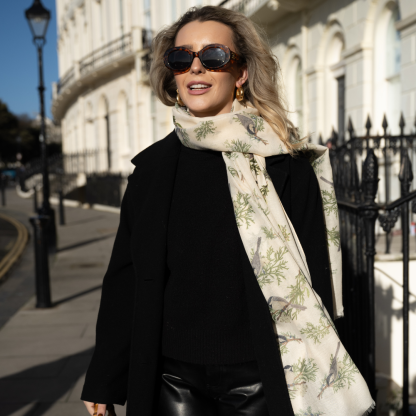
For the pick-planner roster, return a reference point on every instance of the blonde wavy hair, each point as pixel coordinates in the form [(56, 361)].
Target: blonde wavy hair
[(263, 87)]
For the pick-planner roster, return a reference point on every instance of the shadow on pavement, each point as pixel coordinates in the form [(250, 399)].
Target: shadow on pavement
[(85, 221), (42, 385), (77, 295), (84, 243)]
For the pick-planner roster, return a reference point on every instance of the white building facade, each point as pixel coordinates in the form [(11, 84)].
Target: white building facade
[(103, 100), (340, 60)]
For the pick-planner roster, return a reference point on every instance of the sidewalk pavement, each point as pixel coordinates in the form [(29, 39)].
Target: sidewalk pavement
[(44, 353)]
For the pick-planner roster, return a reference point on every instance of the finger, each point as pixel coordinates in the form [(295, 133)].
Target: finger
[(90, 407), (101, 410)]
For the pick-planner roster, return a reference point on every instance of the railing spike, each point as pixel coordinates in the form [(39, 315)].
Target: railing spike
[(368, 125), (385, 124), (370, 177), (406, 174), (320, 141), (401, 124), (350, 128), (334, 135)]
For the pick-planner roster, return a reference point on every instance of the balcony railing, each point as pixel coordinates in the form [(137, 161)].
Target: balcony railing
[(107, 53), (246, 7), (66, 80), (146, 63), (147, 37)]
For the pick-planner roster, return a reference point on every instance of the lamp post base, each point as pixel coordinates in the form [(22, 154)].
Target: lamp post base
[(51, 238)]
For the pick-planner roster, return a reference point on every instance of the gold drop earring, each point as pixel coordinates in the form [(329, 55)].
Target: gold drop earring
[(239, 94), (179, 99)]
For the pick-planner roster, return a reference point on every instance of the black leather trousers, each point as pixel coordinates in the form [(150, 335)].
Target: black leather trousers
[(211, 390)]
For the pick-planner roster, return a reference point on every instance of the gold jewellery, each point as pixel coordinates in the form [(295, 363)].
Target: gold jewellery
[(179, 99), (239, 94)]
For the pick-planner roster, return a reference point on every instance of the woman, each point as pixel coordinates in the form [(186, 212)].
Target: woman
[(221, 254)]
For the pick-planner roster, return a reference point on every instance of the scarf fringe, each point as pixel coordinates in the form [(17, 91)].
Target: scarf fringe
[(370, 409)]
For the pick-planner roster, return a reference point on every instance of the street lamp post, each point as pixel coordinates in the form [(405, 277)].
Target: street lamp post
[(38, 18), (44, 223)]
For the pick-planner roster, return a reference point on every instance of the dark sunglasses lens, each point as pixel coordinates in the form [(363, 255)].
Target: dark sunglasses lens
[(214, 58), (179, 60)]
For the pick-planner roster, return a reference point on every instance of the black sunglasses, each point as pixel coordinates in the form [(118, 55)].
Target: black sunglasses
[(214, 57)]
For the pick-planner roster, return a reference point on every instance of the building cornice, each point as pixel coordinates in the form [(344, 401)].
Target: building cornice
[(79, 86), (406, 22)]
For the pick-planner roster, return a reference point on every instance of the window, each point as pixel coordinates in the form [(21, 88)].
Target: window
[(341, 107), (153, 106), (299, 97), (147, 15), (121, 14), (392, 67), (173, 9)]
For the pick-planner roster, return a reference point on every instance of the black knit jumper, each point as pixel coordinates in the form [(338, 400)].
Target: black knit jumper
[(205, 314)]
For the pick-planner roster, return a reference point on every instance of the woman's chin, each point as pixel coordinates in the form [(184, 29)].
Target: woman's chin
[(203, 108)]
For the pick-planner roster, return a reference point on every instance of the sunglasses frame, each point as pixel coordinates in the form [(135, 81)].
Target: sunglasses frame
[(231, 57)]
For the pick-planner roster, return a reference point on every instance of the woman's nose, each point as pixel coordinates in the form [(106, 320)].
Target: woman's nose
[(197, 67)]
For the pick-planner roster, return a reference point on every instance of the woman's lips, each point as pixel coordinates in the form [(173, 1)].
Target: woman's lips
[(198, 92)]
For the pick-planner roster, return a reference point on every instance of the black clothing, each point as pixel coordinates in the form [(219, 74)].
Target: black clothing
[(211, 390), (205, 314), (127, 361)]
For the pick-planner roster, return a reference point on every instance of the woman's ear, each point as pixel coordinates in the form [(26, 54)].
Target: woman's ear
[(242, 76)]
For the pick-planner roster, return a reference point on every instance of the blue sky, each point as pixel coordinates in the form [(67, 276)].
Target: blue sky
[(18, 58)]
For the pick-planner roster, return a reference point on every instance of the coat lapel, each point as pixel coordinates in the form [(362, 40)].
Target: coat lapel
[(151, 228)]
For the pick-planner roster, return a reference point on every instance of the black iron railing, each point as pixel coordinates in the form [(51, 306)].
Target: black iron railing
[(87, 161), (146, 63), (105, 189), (107, 53), (355, 165), (147, 37), (66, 80)]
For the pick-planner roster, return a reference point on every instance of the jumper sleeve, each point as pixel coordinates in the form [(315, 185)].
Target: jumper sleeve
[(107, 375), (308, 219)]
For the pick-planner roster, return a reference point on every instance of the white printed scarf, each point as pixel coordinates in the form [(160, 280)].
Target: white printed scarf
[(321, 377)]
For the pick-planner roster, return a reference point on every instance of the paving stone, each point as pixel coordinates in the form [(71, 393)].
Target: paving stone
[(14, 348), (44, 353), (29, 390), (40, 366), (18, 409), (42, 332)]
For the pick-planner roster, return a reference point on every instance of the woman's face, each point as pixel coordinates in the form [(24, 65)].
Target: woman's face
[(218, 97)]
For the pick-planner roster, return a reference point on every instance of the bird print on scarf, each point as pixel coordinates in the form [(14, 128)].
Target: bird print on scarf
[(321, 377), (252, 129)]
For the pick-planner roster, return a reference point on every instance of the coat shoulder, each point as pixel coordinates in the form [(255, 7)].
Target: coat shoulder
[(156, 151)]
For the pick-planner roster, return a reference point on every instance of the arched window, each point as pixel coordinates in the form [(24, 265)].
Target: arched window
[(121, 15), (293, 77), (104, 135), (90, 138), (392, 65), (153, 112), (387, 83), (147, 15), (173, 9), (123, 124), (334, 86), (299, 97)]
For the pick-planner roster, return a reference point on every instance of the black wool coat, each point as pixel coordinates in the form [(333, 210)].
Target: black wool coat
[(126, 363)]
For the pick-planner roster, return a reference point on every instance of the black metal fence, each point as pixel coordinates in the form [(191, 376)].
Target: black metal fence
[(105, 189), (355, 165)]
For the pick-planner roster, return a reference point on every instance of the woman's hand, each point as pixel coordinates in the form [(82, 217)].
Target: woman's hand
[(100, 410)]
